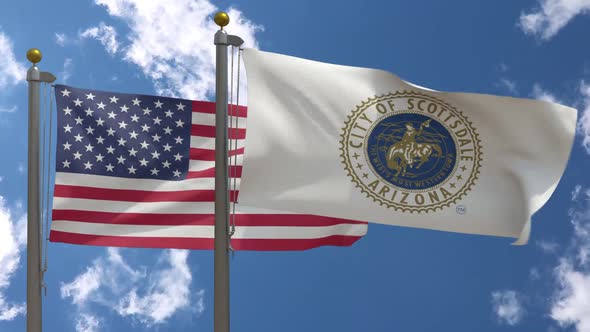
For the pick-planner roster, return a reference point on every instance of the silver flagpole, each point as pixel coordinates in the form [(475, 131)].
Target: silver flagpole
[(35, 78), (221, 256)]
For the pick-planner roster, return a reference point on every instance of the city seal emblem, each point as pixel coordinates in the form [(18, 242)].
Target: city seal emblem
[(411, 152)]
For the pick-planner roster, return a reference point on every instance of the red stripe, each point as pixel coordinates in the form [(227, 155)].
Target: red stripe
[(209, 155), (283, 220), (234, 171), (209, 131), (136, 195), (200, 243), (209, 107)]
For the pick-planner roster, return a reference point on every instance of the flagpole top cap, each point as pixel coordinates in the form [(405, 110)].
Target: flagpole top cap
[(221, 19), (34, 55)]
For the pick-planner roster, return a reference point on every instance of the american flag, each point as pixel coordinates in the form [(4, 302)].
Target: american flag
[(138, 171)]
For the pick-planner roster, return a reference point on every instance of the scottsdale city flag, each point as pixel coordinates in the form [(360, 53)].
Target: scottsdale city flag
[(363, 144), (138, 171)]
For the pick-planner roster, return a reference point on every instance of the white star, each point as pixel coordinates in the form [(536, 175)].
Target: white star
[(155, 155), (132, 169), (144, 144), (168, 114), (89, 147), (145, 128), (67, 128), (147, 111), (176, 173), (159, 104), (65, 93), (77, 155), (179, 123), (143, 162), (177, 157), (88, 165), (133, 134), (136, 101), (124, 108), (111, 149), (167, 130), (99, 157), (89, 112), (78, 102), (157, 120), (121, 159), (109, 167), (99, 140), (180, 107), (90, 130), (134, 118), (78, 138), (122, 141), (166, 164), (67, 146), (66, 163), (155, 171), (123, 125), (114, 99), (90, 96), (110, 132), (100, 105), (112, 115), (99, 122), (79, 120), (67, 111), (167, 147), (132, 152), (179, 140), (156, 137)]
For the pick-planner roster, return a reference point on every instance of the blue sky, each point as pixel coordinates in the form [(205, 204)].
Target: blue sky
[(394, 279)]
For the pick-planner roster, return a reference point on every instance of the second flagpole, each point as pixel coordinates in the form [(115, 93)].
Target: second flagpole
[(221, 254)]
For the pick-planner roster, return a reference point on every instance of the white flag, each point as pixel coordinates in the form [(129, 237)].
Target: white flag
[(363, 144)]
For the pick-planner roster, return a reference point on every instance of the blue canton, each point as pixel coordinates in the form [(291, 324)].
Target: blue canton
[(123, 135)]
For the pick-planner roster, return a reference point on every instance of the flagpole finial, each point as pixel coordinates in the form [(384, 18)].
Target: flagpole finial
[(221, 19), (34, 55)]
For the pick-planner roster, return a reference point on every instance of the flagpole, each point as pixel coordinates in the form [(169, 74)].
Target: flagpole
[(35, 78), (221, 255)]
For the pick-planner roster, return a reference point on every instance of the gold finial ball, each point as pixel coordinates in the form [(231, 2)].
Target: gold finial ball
[(34, 55), (221, 19)]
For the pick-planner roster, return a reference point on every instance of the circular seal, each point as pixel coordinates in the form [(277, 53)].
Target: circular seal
[(411, 152)]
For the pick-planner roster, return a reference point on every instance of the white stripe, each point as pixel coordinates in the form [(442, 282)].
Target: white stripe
[(82, 204), (209, 143), (199, 165), (208, 119), (110, 182), (196, 231)]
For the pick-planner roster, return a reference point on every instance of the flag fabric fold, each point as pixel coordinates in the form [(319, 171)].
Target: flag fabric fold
[(138, 171), (362, 144)]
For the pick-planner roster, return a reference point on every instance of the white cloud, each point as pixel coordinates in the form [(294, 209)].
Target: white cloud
[(67, 71), (106, 34), (509, 85), (11, 109), (584, 124), (182, 66), (60, 39), (12, 242), (548, 247), (572, 303), (507, 306), (11, 71), (21, 168), (87, 323), (551, 15), (150, 298), (541, 94)]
